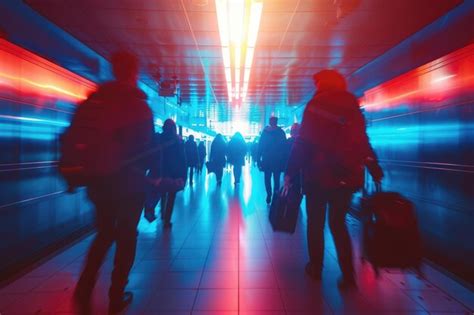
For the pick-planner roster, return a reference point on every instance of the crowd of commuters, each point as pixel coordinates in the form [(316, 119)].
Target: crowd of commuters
[(314, 158)]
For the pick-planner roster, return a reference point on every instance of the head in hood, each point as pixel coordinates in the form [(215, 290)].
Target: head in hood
[(273, 121), (169, 127), (238, 137), (124, 66), (329, 80)]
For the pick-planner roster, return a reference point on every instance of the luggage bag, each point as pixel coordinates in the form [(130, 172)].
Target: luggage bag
[(284, 210), (390, 235)]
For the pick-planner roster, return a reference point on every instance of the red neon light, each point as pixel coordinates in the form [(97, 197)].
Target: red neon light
[(24, 73), (432, 83)]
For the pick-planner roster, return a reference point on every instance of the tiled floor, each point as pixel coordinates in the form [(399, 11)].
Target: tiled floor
[(222, 258)]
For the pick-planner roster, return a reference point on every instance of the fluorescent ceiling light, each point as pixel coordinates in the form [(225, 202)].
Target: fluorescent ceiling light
[(239, 22)]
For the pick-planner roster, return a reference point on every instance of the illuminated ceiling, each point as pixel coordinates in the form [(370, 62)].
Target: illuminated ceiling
[(296, 38)]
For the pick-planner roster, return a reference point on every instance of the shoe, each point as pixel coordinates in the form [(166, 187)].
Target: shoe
[(118, 305), (269, 199), (312, 272), (346, 283), (82, 301)]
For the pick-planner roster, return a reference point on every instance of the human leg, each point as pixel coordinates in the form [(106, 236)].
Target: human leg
[(129, 212), (219, 173), (171, 196), (191, 175), (237, 173), (105, 223), (153, 196), (316, 215), (268, 185), (339, 203)]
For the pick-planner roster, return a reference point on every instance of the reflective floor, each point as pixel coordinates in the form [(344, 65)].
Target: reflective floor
[(221, 257)]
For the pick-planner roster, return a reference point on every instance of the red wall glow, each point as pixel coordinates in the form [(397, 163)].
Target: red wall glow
[(23, 73), (432, 83)]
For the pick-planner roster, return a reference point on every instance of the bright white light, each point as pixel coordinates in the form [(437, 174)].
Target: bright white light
[(232, 23), (254, 25), (443, 78)]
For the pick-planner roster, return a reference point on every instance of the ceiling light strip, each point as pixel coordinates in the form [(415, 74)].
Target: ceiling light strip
[(232, 23), (254, 25)]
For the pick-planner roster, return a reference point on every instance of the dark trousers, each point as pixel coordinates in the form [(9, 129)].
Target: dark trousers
[(276, 181), (167, 205), (117, 218), (153, 196), (191, 174), (219, 172), (338, 201), (237, 173)]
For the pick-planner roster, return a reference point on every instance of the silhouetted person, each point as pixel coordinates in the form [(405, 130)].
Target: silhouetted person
[(173, 165), (192, 157), (217, 156), (254, 151), (236, 151), (169, 162), (271, 155), (202, 155), (332, 150), (294, 131), (119, 197)]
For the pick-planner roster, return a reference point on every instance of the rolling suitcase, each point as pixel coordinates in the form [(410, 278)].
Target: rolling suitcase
[(284, 210), (390, 236)]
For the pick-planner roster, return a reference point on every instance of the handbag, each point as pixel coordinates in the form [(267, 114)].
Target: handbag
[(284, 210)]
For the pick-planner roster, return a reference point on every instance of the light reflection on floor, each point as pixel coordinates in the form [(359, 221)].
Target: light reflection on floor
[(221, 257)]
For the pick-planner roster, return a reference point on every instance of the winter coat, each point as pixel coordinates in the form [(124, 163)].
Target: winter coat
[(192, 158), (132, 119), (271, 149), (332, 148), (170, 161), (218, 152), (236, 150), (202, 153)]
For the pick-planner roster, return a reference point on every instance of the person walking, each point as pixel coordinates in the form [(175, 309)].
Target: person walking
[(332, 150), (118, 197), (217, 157), (202, 155), (271, 156), (236, 151), (192, 157), (172, 165), (294, 131)]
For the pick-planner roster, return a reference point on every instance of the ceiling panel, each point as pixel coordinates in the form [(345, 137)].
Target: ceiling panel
[(296, 39)]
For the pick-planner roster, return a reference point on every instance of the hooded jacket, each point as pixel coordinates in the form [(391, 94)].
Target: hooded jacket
[(132, 121), (332, 148), (271, 149)]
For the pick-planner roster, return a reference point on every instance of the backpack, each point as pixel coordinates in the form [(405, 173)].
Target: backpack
[(346, 148), (90, 147)]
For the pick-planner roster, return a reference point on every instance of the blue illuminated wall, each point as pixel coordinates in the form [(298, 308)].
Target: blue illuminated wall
[(37, 98), (419, 103)]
